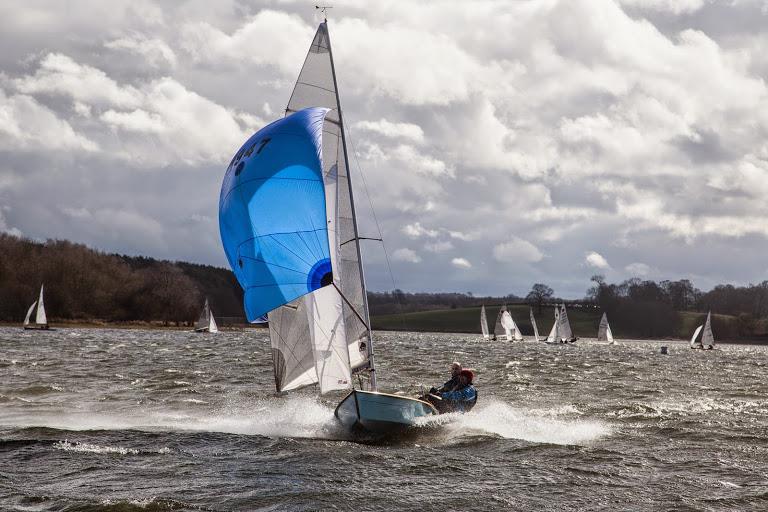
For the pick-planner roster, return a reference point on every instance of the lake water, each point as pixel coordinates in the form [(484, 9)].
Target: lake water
[(96, 419)]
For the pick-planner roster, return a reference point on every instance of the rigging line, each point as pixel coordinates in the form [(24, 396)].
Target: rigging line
[(378, 228)]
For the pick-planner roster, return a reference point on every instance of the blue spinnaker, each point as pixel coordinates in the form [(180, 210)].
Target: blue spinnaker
[(272, 213)]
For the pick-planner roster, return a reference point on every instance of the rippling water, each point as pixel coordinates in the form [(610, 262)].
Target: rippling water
[(160, 420)]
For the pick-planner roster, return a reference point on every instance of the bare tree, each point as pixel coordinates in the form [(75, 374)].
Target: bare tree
[(539, 294)]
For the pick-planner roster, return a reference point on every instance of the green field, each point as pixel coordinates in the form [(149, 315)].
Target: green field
[(584, 322)]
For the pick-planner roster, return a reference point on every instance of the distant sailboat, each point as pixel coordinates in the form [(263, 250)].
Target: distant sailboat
[(535, 327), (707, 341), (206, 322), (504, 325), (484, 324), (41, 320), (604, 332), (516, 334), (289, 230), (564, 326), (554, 335)]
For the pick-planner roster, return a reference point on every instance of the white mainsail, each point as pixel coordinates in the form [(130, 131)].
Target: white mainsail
[(324, 336), (553, 334), (707, 338), (604, 331), (535, 327), (484, 323), (41, 319), (695, 343), (564, 325)]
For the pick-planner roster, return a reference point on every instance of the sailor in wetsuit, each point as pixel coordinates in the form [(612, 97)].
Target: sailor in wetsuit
[(463, 397)]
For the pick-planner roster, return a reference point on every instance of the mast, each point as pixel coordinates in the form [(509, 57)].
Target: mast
[(371, 364)]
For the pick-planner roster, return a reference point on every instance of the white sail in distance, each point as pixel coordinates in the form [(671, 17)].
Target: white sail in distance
[(308, 335), (29, 313), (564, 325), (535, 327), (206, 322), (694, 343), (554, 335), (41, 318), (516, 334), (707, 338), (484, 323), (501, 328), (604, 331)]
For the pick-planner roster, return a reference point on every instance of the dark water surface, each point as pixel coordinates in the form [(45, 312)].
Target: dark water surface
[(154, 420)]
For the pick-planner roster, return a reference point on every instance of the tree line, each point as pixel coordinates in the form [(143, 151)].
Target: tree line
[(84, 284), (651, 308)]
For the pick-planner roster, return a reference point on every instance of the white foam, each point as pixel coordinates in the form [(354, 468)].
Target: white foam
[(93, 448), (536, 426), (279, 417)]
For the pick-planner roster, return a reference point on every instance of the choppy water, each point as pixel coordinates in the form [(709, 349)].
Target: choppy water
[(153, 420)]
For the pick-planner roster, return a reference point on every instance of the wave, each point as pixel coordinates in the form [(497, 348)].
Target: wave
[(306, 417), (533, 425), (93, 448), (300, 417)]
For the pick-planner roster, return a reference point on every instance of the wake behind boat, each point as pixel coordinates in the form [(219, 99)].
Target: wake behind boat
[(288, 226)]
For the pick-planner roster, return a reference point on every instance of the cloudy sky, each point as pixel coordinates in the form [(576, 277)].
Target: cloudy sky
[(501, 143)]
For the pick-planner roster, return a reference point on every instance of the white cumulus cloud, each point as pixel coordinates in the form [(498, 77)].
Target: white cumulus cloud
[(596, 260)]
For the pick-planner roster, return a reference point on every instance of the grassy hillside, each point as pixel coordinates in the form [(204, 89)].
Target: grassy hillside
[(584, 322)]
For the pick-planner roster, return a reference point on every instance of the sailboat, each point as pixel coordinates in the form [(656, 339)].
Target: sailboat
[(564, 327), (707, 341), (604, 331), (288, 227), (484, 324), (504, 325), (516, 334), (41, 320), (535, 327), (206, 322), (554, 334)]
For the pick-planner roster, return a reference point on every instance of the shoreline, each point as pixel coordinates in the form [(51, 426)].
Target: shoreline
[(149, 326)]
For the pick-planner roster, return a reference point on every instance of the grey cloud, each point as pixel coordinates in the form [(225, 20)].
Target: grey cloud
[(558, 134)]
